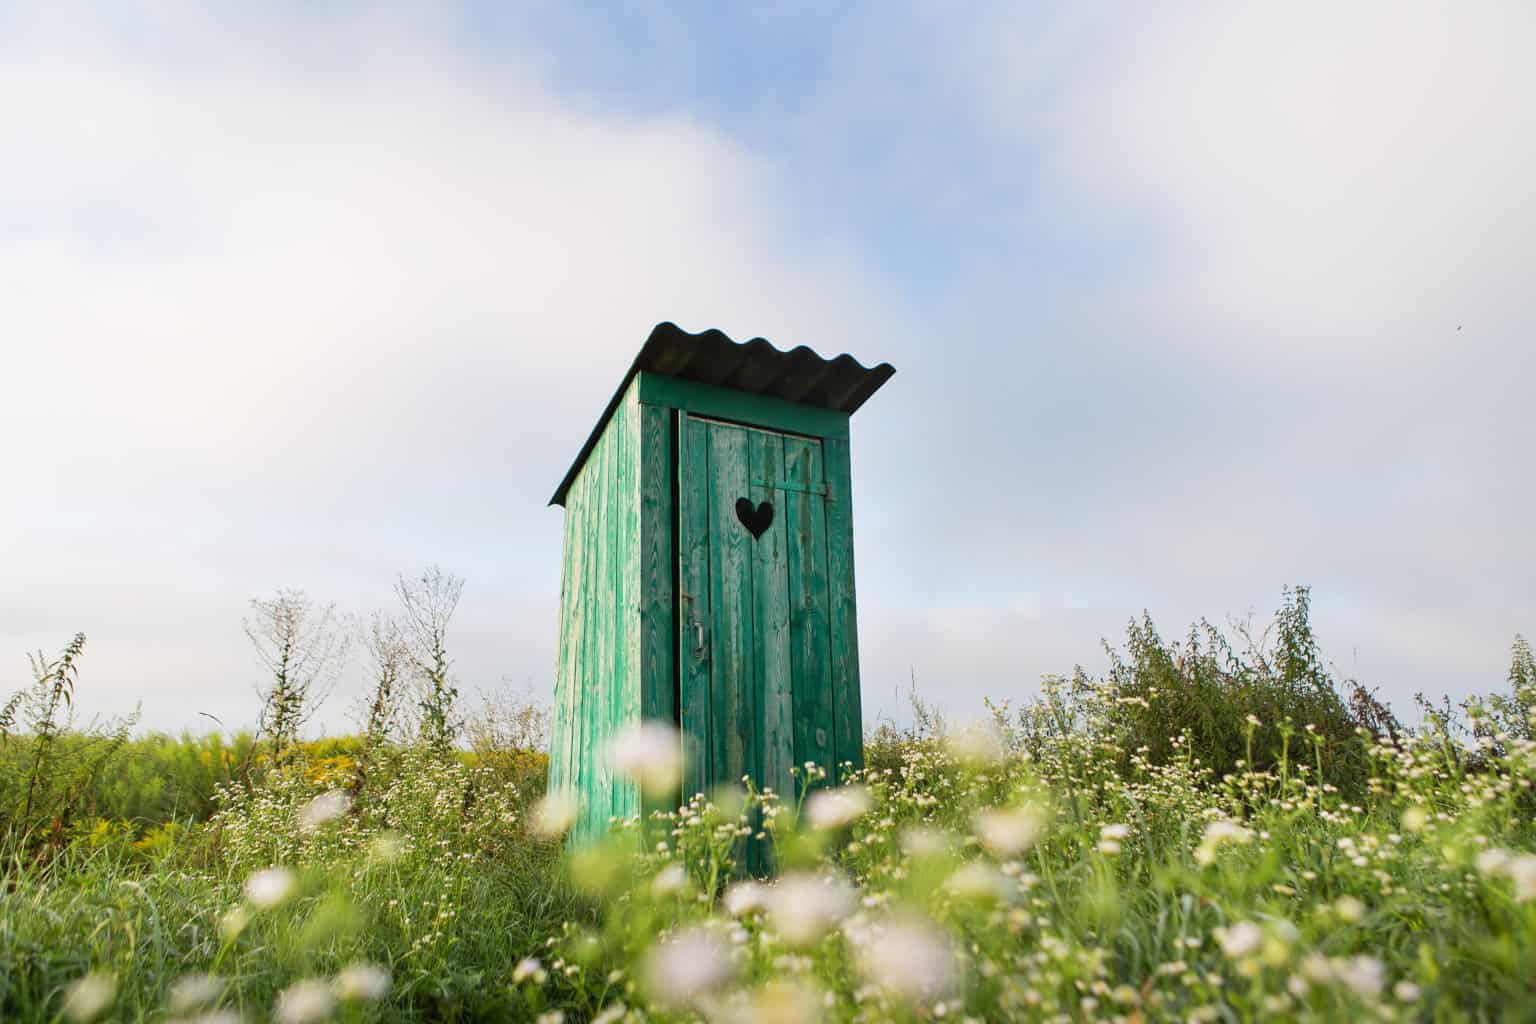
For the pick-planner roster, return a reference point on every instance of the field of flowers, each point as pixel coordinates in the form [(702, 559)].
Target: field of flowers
[(1011, 872), (1209, 832)]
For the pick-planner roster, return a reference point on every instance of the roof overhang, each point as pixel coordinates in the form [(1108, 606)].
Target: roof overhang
[(756, 367)]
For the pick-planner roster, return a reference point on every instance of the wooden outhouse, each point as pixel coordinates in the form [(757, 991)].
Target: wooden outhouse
[(707, 576)]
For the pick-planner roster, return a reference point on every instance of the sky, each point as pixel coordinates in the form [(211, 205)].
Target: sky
[(1188, 302)]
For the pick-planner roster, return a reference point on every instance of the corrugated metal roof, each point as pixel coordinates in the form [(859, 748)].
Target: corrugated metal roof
[(711, 357)]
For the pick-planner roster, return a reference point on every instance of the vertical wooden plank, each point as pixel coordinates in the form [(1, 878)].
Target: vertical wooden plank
[(694, 604), (776, 720), (580, 648), (810, 636), (657, 562), (847, 711), (732, 681), (559, 770), (595, 681), (621, 531)]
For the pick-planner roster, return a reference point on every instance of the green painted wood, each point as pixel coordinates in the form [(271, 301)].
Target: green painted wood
[(657, 564), (740, 407), (598, 684), (775, 668), (810, 635), (694, 602), (848, 738), (733, 682), (670, 609)]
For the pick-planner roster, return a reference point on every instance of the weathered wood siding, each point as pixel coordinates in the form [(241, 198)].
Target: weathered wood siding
[(748, 645), (598, 672)]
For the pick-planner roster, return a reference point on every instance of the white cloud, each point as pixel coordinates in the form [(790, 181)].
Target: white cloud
[(288, 303)]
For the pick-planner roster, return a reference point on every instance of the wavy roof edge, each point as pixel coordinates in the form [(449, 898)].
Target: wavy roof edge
[(756, 366)]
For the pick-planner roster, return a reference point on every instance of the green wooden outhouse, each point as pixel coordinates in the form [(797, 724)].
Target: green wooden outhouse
[(707, 576)]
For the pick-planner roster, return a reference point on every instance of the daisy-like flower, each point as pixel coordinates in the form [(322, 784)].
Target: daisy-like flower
[(837, 808), (554, 814), (651, 753), (529, 969), (1218, 834), (804, 907), (1011, 832), (361, 983), (192, 991), (323, 810), (1522, 871), (269, 887), (688, 966), (1244, 938), (1349, 909), (1364, 975), (90, 996), (670, 880), (977, 880), (304, 1002), (745, 898), (906, 958)]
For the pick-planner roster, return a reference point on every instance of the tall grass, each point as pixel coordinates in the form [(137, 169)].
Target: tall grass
[(1282, 851)]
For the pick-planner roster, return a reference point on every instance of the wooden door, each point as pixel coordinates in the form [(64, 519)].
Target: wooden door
[(756, 666)]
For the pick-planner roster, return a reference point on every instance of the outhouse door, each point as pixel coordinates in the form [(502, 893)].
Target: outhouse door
[(755, 674)]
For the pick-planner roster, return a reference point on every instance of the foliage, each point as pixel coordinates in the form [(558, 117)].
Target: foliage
[(48, 772), (1050, 866), (302, 649), (428, 603)]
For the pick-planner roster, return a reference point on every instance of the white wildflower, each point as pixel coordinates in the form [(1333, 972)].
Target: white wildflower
[(362, 983), (744, 898), (1218, 834), (837, 808), (551, 1017), (529, 969), (611, 1014), (804, 907), (1115, 832), (651, 753), (978, 881), (907, 959), (1241, 939), (1009, 833), (682, 969), (781, 1002), (304, 1002), (191, 991), (670, 880), (1522, 871), (1492, 861), (1349, 909), (1407, 992), (324, 809), (554, 814), (89, 996), (1364, 975), (269, 887), (232, 922)]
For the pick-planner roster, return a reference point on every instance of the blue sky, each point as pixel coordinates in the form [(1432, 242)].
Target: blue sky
[(1188, 303)]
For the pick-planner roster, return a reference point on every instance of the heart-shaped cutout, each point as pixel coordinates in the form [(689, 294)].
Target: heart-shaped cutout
[(755, 519)]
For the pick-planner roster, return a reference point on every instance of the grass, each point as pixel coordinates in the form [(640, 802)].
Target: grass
[(1054, 865)]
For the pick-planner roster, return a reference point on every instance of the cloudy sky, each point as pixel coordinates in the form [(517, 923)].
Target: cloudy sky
[(1188, 302)]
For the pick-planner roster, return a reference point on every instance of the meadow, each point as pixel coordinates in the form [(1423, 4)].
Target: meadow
[(1217, 829)]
